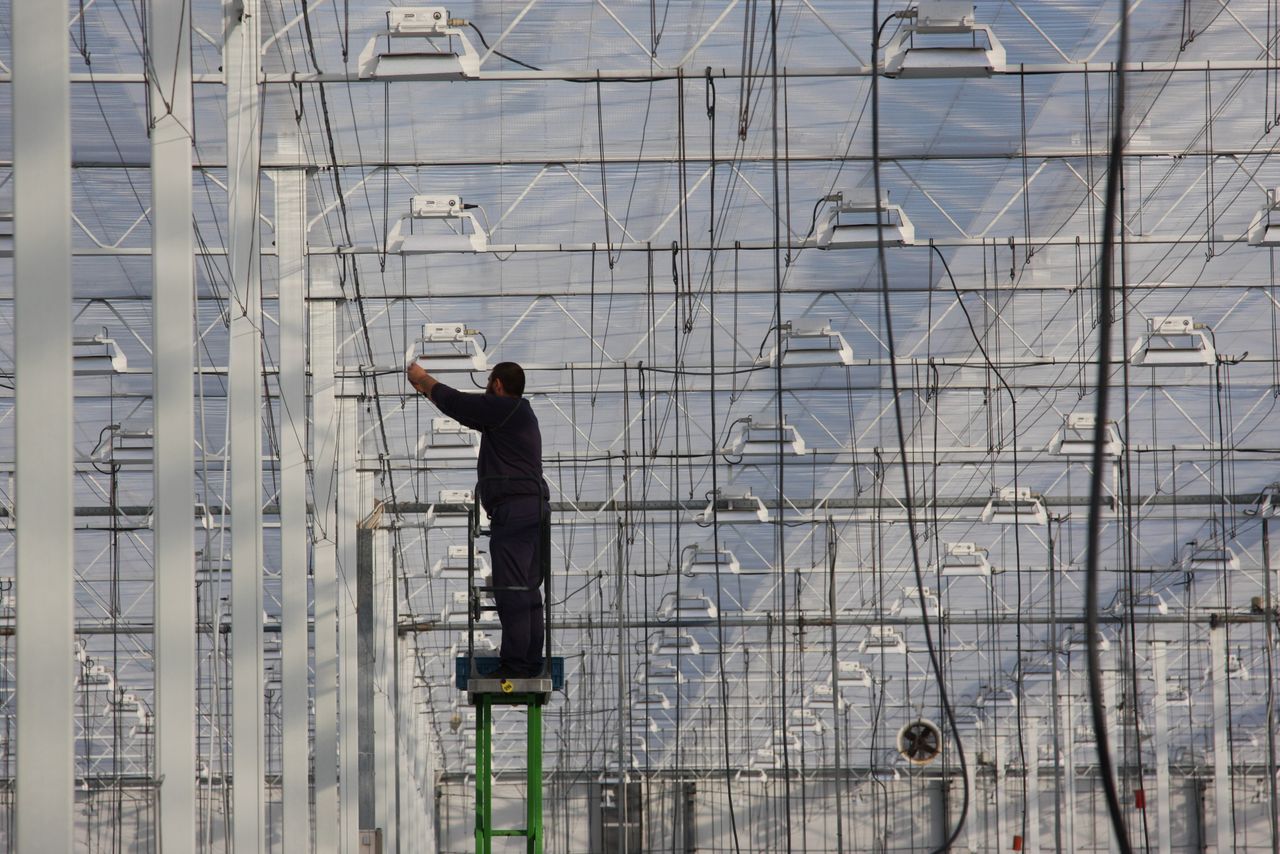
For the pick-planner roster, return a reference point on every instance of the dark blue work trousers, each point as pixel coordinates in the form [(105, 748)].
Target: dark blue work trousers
[(514, 542)]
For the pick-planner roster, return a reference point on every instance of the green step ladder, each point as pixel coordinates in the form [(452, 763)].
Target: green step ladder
[(532, 695)]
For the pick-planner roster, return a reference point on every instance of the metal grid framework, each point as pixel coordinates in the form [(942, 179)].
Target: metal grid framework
[(675, 233)]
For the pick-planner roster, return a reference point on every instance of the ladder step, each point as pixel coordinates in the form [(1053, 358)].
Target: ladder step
[(508, 833)]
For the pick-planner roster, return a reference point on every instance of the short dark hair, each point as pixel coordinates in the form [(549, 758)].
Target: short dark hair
[(512, 376)]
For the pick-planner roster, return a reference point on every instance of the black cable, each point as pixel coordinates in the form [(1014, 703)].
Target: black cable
[(898, 420), (484, 42), (1105, 768)]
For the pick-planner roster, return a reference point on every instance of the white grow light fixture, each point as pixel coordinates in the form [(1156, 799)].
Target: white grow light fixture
[(943, 39), (965, 560), (1015, 506), (851, 224), (128, 444), (705, 558), (811, 344), (673, 643), (94, 354), (1209, 557), (448, 441), (760, 439), (1262, 230), (1141, 602), (726, 506), (448, 347), (822, 698), (436, 223), (419, 43), (454, 564), (1174, 342), (662, 673), (915, 603), (696, 607), (853, 673), (882, 639), (453, 509), (1075, 439)]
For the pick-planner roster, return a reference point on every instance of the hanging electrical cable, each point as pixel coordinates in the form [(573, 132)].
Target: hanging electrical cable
[(1093, 548)]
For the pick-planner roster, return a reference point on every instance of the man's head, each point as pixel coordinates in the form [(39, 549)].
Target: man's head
[(506, 380)]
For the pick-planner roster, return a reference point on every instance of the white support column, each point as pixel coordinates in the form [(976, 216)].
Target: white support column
[(348, 657), (43, 415), (324, 312), (1069, 772), (1159, 670), (977, 804), (173, 305), (244, 120), (1031, 844), (384, 684), (1222, 818), (291, 248)]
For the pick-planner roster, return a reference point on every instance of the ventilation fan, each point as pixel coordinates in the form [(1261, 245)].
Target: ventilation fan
[(920, 742)]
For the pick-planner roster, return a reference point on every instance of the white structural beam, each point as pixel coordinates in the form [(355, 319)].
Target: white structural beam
[(244, 120), (42, 336), (173, 305), (1222, 815), (291, 230), (348, 658), (323, 337), (1160, 672)]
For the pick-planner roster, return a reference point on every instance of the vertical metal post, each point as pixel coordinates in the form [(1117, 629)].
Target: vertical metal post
[(1031, 844), (291, 250), (324, 310), (365, 664), (533, 801), (348, 667), (484, 797), (1069, 749), (1159, 671), (1003, 824), (973, 833), (43, 414), (1110, 691), (1222, 817), (172, 303)]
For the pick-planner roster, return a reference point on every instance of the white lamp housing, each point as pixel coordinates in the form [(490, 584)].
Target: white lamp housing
[(454, 564), (853, 673), (663, 673), (696, 607), (1012, 506), (760, 439), (1142, 602), (916, 603), (997, 698), (448, 347), (448, 441), (419, 43), (436, 224), (1075, 439), (453, 509), (965, 560), (807, 343), (851, 224), (882, 639), (1262, 231), (822, 698), (94, 354), (457, 607), (1173, 342), (705, 558), (128, 444), (943, 40), (728, 507), (1209, 558), (673, 643)]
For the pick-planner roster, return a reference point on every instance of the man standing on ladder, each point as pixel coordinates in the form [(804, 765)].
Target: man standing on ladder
[(513, 493)]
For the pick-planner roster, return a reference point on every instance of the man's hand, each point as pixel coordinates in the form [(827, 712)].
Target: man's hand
[(420, 379)]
